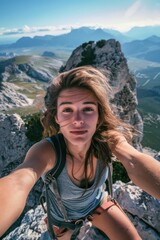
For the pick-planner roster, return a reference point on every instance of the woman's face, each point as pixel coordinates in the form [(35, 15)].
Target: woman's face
[(77, 115)]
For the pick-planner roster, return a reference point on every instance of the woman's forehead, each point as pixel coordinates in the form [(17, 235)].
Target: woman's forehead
[(76, 95)]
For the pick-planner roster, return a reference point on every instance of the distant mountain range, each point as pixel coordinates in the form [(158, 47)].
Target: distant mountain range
[(143, 32), (148, 48), (72, 39), (84, 34)]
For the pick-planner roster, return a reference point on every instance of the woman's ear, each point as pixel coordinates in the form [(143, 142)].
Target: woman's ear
[(56, 120)]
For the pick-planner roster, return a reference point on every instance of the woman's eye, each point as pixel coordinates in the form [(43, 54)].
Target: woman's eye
[(88, 109), (67, 110)]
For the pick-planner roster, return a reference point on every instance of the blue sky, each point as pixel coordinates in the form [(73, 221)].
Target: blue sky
[(40, 17)]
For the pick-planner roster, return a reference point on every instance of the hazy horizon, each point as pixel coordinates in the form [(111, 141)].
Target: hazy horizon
[(46, 17)]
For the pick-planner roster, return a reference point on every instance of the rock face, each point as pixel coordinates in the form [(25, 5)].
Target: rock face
[(157, 156), (26, 70), (32, 73), (142, 209), (33, 227), (22, 69), (10, 98), (13, 142), (107, 55), (13, 147)]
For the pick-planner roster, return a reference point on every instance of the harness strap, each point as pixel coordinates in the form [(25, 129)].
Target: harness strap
[(50, 229), (110, 182), (60, 150), (59, 200), (76, 230)]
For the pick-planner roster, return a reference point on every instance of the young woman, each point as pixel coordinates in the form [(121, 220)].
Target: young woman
[(77, 106)]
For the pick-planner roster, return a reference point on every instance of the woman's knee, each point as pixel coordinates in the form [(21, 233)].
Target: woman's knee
[(115, 224)]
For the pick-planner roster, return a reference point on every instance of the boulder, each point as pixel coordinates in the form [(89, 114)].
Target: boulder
[(141, 208), (13, 142)]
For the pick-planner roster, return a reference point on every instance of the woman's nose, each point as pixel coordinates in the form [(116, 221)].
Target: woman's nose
[(78, 120), (78, 123)]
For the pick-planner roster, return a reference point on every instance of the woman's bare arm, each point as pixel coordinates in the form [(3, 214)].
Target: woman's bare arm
[(142, 169), (15, 187)]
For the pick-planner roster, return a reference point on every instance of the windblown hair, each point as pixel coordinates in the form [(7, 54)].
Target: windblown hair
[(94, 80)]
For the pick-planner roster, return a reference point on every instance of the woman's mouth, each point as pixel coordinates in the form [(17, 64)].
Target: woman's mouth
[(78, 132)]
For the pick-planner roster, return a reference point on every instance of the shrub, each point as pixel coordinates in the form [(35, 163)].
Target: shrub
[(62, 68), (34, 127), (101, 43), (119, 173), (84, 45), (88, 56)]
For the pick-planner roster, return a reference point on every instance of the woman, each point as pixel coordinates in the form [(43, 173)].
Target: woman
[(77, 106)]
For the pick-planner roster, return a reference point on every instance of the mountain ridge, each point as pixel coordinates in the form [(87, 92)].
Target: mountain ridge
[(109, 33)]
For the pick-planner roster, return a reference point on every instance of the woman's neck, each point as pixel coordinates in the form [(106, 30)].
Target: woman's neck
[(78, 152)]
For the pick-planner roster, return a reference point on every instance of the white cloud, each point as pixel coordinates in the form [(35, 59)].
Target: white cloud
[(132, 10), (30, 31), (26, 28)]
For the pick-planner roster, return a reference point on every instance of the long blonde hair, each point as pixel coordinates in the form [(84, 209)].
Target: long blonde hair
[(94, 80)]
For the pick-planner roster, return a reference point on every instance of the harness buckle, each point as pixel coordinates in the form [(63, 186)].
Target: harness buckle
[(79, 221)]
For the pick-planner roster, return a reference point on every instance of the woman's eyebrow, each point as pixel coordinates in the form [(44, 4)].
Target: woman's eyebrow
[(88, 102), (94, 103), (62, 103)]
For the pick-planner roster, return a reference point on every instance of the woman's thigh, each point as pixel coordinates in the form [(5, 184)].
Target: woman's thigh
[(115, 224), (67, 235)]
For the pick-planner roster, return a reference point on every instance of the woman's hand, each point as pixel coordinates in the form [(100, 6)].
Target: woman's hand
[(142, 169), (115, 138)]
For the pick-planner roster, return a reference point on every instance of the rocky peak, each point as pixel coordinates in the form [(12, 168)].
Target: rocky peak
[(107, 55)]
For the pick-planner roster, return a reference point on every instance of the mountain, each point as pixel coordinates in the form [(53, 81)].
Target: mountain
[(143, 32), (118, 35), (84, 34), (28, 42), (71, 39), (24, 78), (147, 49)]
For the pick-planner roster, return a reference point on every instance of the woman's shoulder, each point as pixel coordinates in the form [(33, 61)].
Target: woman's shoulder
[(42, 153)]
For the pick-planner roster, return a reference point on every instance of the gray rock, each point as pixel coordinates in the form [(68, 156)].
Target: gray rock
[(33, 227), (13, 142), (143, 209), (9, 97), (157, 156), (24, 69)]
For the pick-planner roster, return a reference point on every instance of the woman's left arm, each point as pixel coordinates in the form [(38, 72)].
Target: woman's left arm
[(142, 169)]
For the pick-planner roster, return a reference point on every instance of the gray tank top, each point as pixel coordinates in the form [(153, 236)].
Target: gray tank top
[(77, 201)]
